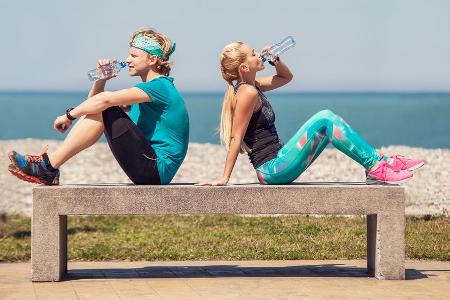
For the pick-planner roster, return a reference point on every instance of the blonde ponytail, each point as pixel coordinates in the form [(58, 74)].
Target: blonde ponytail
[(226, 120), (230, 60)]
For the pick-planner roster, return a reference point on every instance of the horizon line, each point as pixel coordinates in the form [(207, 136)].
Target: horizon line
[(275, 92)]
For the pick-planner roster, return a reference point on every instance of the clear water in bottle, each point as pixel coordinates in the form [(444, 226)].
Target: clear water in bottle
[(112, 68), (279, 48)]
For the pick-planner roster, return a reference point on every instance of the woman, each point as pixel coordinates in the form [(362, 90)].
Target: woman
[(247, 124), (149, 145)]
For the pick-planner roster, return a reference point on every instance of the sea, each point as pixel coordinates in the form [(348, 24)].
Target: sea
[(381, 118)]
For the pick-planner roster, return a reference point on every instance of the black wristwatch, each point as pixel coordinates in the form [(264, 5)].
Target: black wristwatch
[(272, 62), (69, 116)]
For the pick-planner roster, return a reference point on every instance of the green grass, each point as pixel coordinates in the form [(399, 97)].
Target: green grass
[(224, 237)]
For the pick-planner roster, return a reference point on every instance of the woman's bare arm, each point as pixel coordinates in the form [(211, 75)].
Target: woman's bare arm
[(282, 77), (247, 99)]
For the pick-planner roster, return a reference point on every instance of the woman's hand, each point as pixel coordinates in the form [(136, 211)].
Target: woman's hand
[(265, 51), (213, 182), (62, 123)]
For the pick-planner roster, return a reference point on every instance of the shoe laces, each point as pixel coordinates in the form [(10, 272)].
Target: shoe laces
[(37, 158), (383, 165), (386, 168), (400, 158), (33, 158)]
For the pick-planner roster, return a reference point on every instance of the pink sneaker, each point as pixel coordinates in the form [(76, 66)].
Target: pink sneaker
[(385, 174), (400, 162)]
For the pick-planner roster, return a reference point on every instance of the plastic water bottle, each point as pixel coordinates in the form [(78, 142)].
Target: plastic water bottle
[(106, 70), (279, 48)]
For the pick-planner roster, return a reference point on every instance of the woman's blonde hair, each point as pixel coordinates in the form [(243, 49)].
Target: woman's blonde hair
[(230, 60), (163, 64)]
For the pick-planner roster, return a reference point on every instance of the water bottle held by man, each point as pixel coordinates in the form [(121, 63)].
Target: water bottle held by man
[(103, 71), (278, 49)]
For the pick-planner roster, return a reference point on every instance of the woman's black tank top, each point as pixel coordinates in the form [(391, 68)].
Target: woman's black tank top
[(261, 136)]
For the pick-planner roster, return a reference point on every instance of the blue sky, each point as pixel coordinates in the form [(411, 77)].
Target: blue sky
[(342, 45)]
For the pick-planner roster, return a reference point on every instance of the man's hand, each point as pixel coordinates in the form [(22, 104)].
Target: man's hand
[(62, 123), (125, 108), (105, 70)]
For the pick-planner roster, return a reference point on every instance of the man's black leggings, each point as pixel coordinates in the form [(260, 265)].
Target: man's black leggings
[(130, 147)]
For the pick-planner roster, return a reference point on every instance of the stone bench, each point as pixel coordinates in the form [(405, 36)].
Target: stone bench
[(383, 205)]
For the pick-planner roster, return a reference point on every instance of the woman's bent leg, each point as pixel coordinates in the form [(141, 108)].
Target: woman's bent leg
[(307, 144), (348, 141), (296, 155)]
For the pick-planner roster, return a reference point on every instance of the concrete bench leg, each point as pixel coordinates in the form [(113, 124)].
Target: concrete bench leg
[(386, 245), (48, 246)]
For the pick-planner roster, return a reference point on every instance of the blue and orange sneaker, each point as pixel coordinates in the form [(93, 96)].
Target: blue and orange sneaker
[(33, 168)]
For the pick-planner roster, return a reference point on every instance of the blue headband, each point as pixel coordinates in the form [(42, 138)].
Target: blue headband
[(150, 46)]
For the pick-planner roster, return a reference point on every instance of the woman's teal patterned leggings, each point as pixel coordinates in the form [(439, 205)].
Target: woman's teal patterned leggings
[(307, 144)]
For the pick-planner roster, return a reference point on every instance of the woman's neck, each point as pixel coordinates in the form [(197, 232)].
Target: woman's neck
[(248, 79)]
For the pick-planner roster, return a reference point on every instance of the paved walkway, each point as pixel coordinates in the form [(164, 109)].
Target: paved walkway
[(228, 280)]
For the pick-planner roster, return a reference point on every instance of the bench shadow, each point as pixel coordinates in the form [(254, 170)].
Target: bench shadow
[(21, 234), (79, 229), (214, 271), (312, 183), (234, 184)]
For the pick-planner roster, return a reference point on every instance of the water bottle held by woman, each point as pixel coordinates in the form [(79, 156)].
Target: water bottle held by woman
[(103, 71), (278, 49)]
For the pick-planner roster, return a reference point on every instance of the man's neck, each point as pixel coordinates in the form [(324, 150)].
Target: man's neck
[(150, 76)]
